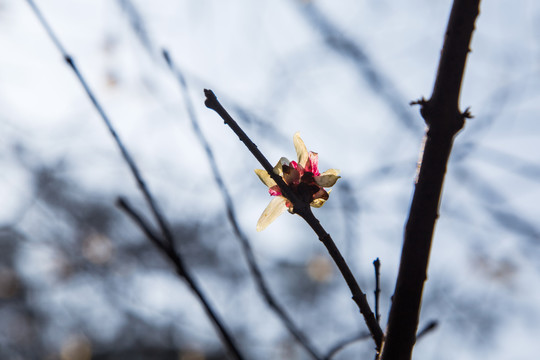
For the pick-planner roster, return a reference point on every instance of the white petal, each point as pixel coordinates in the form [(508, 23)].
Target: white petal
[(326, 180), (273, 210), (331, 172), (265, 177), (301, 149)]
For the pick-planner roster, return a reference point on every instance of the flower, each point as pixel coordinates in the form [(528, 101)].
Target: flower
[(302, 177)]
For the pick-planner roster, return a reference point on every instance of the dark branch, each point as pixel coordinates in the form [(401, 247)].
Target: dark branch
[(444, 120), (430, 326), (344, 343), (212, 102), (125, 154), (303, 209), (181, 270), (143, 224), (377, 291), (231, 216), (167, 246)]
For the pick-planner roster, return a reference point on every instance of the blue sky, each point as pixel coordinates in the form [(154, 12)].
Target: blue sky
[(268, 58)]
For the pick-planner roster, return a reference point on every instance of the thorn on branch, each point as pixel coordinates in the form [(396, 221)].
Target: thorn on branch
[(467, 113), (422, 101), (430, 326)]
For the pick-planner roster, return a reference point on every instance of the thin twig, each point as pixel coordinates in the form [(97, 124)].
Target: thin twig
[(127, 157), (180, 268), (303, 209), (429, 327), (231, 215), (337, 40), (212, 103), (137, 24), (167, 244), (344, 343), (377, 291), (144, 225), (357, 295), (139, 27)]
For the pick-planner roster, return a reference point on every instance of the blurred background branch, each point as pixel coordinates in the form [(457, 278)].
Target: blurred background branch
[(254, 268), (167, 243)]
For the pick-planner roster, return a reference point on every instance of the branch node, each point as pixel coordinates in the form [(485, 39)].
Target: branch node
[(325, 238), (422, 101), (467, 113), (430, 326), (166, 56)]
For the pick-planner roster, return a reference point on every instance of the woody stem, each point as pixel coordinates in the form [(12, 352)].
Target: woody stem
[(357, 295), (303, 209)]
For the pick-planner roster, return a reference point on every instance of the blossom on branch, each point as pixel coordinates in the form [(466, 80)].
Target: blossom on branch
[(302, 177)]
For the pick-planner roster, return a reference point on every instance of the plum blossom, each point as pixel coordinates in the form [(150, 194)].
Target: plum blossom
[(303, 178)]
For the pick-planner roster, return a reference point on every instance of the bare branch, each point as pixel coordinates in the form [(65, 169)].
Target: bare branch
[(303, 209), (344, 343), (167, 245), (143, 224), (377, 291), (212, 102), (181, 270), (444, 120), (231, 216), (126, 155)]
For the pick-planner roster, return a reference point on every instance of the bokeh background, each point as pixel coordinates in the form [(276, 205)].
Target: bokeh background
[(78, 280)]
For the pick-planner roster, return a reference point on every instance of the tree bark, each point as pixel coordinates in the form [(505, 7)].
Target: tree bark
[(444, 120)]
